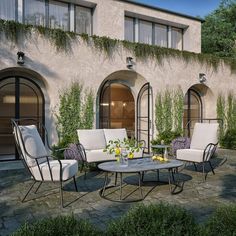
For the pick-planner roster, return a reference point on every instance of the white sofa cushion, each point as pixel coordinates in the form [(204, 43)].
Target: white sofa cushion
[(191, 155), (114, 134), (92, 139), (99, 156), (33, 145), (69, 169), (203, 134)]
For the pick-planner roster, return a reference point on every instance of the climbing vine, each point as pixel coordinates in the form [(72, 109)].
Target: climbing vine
[(226, 111), (169, 114), (76, 111), (62, 41)]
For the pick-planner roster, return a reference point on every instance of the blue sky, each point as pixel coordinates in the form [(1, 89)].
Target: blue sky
[(190, 7)]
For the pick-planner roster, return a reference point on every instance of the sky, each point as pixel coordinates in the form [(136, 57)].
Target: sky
[(189, 7)]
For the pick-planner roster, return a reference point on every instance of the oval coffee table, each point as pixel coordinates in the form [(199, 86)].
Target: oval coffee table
[(138, 166)]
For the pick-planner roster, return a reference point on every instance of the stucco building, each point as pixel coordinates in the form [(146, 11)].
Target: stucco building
[(125, 87)]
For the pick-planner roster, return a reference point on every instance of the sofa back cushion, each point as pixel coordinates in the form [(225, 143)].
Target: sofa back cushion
[(114, 134), (31, 140), (92, 139), (203, 134)]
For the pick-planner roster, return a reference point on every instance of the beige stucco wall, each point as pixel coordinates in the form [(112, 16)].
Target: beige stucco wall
[(92, 67), (109, 15)]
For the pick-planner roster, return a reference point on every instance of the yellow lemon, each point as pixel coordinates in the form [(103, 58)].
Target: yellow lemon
[(154, 158), (161, 159), (117, 151), (131, 155), (165, 159)]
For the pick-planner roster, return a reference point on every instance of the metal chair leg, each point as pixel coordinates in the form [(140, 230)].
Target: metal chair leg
[(139, 183), (212, 170), (38, 187), (121, 182), (61, 194), (75, 184), (28, 191), (195, 166)]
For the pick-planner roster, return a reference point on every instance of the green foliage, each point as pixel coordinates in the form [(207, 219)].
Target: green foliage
[(161, 219), (169, 113), (178, 110), (62, 41), (131, 146), (226, 110), (61, 225), (222, 222), (166, 137), (228, 140), (16, 32), (75, 112), (219, 32)]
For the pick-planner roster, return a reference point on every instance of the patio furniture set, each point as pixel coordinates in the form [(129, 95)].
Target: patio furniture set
[(45, 168)]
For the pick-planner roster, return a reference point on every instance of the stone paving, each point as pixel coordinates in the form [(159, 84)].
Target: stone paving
[(199, 197)]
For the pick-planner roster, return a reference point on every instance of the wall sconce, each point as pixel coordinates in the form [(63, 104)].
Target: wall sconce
[(20, 59), (202, 78), (129, 62)]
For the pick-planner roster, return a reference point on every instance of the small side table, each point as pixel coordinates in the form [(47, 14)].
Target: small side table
[(163, 148)]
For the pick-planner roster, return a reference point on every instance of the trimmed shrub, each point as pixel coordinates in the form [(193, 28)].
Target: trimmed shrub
[(229, 139), (62, 225), (161, 219), (222, 222)]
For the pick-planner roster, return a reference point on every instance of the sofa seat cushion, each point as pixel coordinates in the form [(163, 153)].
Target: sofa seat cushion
[(69, 169), (114, 134), (92, 139), (192, 155), (99, 156)]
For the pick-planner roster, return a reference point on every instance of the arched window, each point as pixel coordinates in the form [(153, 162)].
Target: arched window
[(19, 98), (117, 108), (192, 110)]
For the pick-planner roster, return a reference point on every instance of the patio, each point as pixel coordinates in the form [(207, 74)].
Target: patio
[(198, 197)]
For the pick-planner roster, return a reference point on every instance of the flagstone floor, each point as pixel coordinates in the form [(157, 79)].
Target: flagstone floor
[(198, 197)]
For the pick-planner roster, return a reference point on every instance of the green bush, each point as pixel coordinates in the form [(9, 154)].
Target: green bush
[(166, 136), (228, 140), (62, 225), (222, 222), (161, 219)]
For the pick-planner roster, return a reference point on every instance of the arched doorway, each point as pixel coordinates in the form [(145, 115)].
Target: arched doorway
[(20, 97), (117, 107), (192, 110)]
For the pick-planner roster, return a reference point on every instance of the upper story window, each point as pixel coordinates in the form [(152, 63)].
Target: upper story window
[(59, 15), (8, 9), (34, 12), (145, 32), (153, 33), (129, 29), (161, 35), (177, 38), (83, 20)]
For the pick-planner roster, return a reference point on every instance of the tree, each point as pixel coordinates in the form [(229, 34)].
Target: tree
[(219, 30)]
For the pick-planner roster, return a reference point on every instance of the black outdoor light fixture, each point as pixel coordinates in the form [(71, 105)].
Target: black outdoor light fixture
[(202, 78), (20, 59), (129, 62)]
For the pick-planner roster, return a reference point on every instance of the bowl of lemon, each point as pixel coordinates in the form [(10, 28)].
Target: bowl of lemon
[(159, 158)]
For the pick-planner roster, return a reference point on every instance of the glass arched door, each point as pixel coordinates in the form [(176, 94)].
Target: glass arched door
[(19, 98), (192, 111), (117, 108)]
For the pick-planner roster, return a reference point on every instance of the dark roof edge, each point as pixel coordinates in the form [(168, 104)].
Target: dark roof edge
[(161, 9)]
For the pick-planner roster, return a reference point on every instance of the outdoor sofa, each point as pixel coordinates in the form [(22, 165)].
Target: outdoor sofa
[(93, 142)]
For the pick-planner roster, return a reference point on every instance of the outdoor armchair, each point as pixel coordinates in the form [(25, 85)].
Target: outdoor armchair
[(41, 165), (203, 146)]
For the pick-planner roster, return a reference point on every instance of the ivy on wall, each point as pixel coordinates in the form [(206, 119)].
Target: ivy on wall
[(226, 111), (62, 40), (76, 111), (169, 107)]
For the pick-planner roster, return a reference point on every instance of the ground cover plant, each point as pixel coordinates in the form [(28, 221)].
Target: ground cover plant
[(155, 219)]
